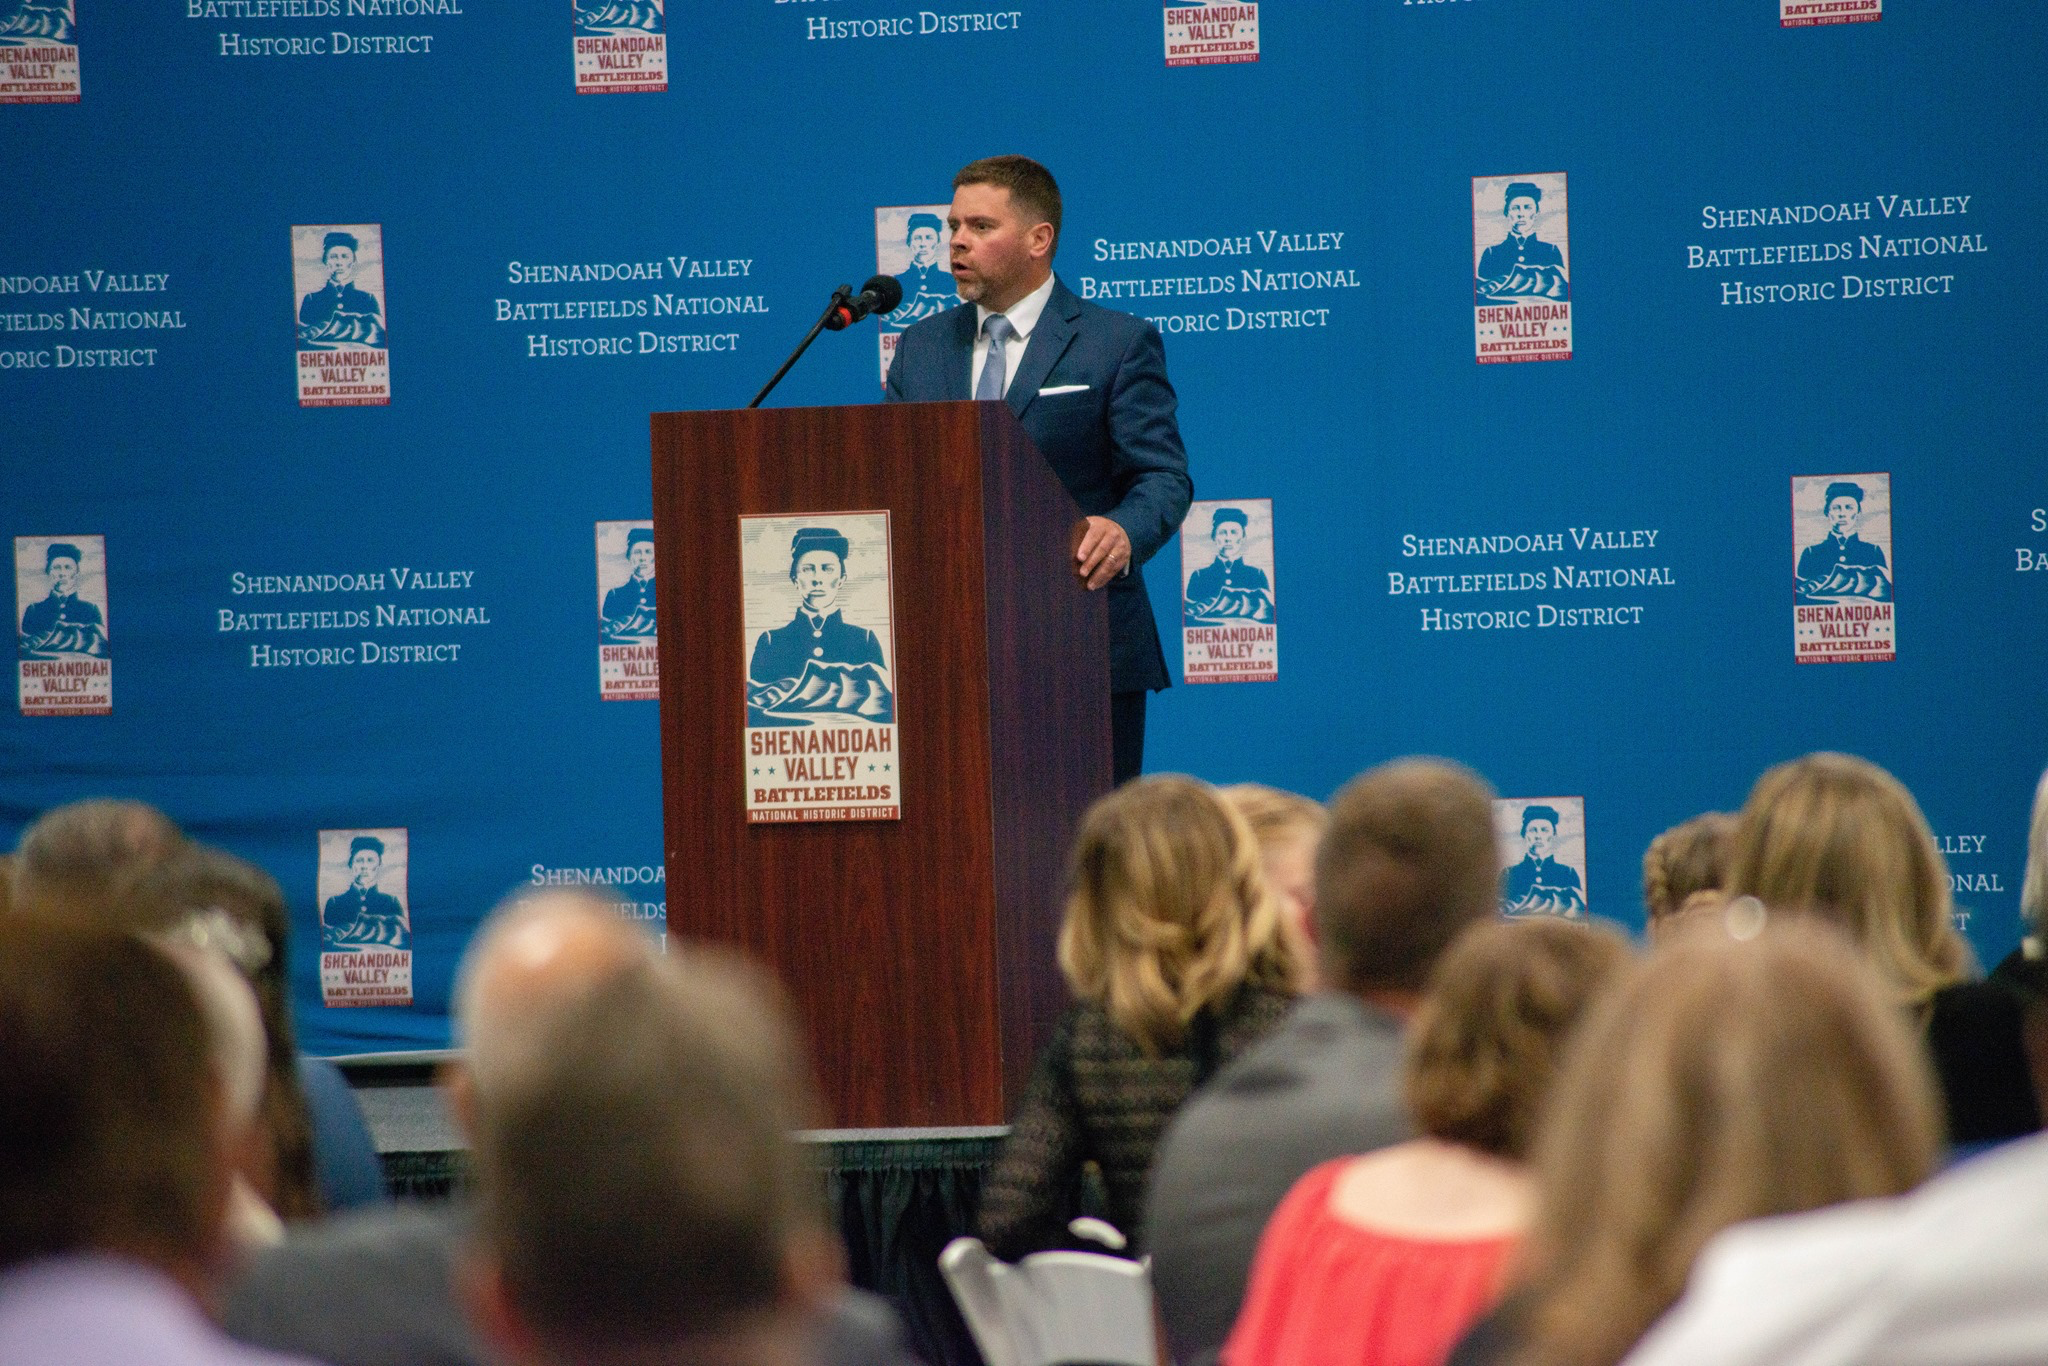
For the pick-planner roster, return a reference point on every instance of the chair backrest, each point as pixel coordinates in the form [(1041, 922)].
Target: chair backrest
[(1053, 1308)]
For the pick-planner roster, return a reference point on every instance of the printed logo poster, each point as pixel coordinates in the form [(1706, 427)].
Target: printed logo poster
[(821, 656), (1543, 852), (1806, 13), (1228, 620), (365, 926), (1521, 287), (63, 663), (627, 669), (338, 274), (1211, 32), (38, 52), (620, 47), (1842, 570), (913, 243)]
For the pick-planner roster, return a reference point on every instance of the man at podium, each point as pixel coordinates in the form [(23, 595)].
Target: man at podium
[(1087, 383)]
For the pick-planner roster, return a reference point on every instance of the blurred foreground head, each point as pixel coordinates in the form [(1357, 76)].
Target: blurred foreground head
[(78, 859), (1838, 837), (642, 1194), (1722, 1080)]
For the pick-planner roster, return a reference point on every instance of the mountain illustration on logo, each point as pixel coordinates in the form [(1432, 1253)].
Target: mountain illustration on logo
[(825, 689), (43, 21), (614, 16), (1866, 581), (1234, 604)]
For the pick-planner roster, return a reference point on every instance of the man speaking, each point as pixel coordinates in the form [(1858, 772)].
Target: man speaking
[(1089, 385)]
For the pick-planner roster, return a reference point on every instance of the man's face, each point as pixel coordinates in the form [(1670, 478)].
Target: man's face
[(924, 245), (1521, 214), (1229, 537), (1842, 514), (64, 575), (1541, 837), (363, 865), (997, 257), (341, 264), (641, 557), (818, 577)]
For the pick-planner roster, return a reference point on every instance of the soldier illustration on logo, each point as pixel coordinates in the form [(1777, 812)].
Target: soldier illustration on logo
[(628, 611), (1227, 588), (927, 282), (1522, 265), (340, 312), (1539, 884), (820, 662), (361, 916), (62, 623), (1842, 564)]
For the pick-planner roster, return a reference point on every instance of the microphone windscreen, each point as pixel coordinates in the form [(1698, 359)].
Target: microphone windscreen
[(887, 291)]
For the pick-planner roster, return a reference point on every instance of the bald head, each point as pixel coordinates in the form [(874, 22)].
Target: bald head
[(534, 956)]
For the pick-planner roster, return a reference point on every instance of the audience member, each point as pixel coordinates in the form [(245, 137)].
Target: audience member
[(76, 860), (1684, 870), (1386, 1259), (114, 1156), (2025, 969), (1408, 861), (641, 1195), (1175, 949), (6, 885), (377, 1287), (1287, 827), (1724, 1080), (1838, 837)]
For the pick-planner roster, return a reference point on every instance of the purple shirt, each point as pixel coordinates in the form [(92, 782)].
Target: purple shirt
[(91, 1310)]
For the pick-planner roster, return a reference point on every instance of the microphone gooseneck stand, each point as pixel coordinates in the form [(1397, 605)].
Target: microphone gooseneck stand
[(840, 299)]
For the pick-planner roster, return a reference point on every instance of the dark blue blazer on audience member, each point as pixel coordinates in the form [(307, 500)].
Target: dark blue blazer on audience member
[(1114, 444)]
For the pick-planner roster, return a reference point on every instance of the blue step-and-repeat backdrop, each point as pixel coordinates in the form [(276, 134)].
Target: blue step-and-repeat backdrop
[(329, 330)]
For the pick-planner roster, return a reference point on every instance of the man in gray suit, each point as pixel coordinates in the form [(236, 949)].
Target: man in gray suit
[(1407, 863)]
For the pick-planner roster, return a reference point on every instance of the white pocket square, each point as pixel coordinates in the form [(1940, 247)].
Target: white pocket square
[(1062, 389)]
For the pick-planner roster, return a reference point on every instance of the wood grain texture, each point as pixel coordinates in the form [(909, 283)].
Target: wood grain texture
[(918, 951)]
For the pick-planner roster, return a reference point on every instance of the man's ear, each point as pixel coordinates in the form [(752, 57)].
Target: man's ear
[(1040, 240), (813, 1271), (492, 1313)]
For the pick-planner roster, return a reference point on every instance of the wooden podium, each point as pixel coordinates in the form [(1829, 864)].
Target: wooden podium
[(920, 951)]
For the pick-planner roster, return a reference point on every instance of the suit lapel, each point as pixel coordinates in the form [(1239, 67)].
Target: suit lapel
[(1049, 341), (960, 375)]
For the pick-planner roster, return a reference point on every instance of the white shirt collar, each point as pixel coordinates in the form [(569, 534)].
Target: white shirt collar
[(1022, 315)]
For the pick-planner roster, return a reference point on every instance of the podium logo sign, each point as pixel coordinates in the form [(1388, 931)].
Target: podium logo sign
[(627, 667), (63, 664), (1211, 32), (820, 685), (913, 243), (365, 923), (1228, 620), (38, 52), (1521, 269), (1806, 13), (620, 47), (1842, 569), (338, 274), (1543, 852)]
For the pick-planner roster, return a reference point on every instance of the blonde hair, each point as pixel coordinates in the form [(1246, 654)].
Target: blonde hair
[(1689, 858), (2034, 888), (1502, 1003), (1720, 1081), (1838, 836), (1168, 910), (1275, 815)]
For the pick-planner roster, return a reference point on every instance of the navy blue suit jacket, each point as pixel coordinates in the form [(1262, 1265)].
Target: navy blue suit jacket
[(1114, 444)]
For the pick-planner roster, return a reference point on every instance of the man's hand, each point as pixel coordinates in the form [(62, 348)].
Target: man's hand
[(1104, 553)]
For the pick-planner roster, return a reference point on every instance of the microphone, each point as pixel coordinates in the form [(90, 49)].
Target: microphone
[(880, 294)]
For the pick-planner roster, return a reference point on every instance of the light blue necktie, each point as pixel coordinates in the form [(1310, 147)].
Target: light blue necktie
[(996, 368)]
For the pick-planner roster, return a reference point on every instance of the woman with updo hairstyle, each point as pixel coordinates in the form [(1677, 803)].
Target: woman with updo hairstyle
[(1175, 951), (1386, 1259), (1683, 872), (1722, 1080), (1836, 836), (1288, 827)]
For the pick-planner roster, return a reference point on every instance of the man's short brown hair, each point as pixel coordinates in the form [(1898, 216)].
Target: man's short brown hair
[(107, 1100), (77, 859), (1032, 188), (639, 1181), (1408, 861), (1491, 1033)]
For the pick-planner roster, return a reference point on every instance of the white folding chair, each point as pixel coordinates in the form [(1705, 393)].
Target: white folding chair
[(1053, 1308)]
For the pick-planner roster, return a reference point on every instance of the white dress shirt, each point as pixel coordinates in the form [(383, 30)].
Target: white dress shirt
[(1023, 316)]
